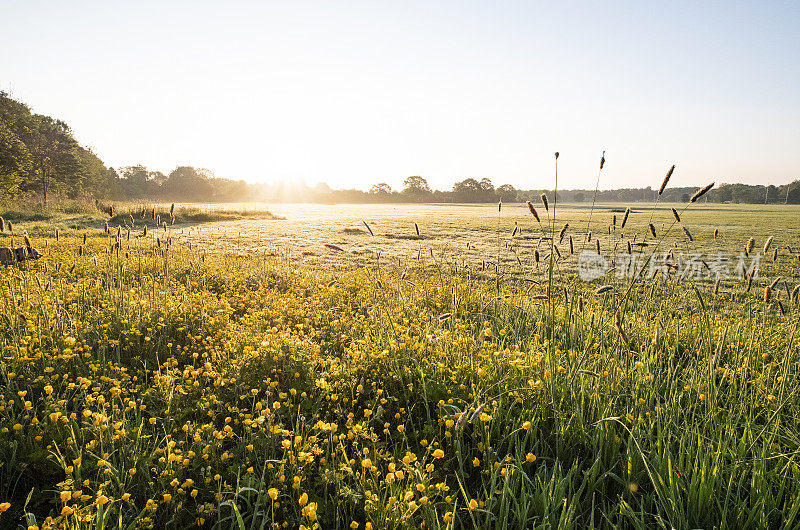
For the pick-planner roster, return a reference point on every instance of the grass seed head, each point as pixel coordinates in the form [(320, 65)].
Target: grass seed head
[(625, 218), (666, 179), (533, 211), (702, 191)]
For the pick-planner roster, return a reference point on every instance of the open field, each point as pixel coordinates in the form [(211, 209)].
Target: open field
[(458, 374)]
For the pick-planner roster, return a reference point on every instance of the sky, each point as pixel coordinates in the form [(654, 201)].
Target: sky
[(353, 93)]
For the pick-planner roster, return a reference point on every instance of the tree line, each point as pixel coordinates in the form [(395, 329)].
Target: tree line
[(40, 157), (471, 190)]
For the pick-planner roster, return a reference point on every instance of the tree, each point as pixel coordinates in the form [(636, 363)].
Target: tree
[(793, 193), (416, 183), (157, 178), (138, 183), (16, 161), (381, 188), (507, 193), (188, 184), (416, 188), (579, 197), (39, 154), (53, 150), (93, 178), (468, 190)]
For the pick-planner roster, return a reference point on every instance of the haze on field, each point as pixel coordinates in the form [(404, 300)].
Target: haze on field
[(363, 92)]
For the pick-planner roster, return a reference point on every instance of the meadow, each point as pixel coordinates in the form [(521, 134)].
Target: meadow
[(402, 366)]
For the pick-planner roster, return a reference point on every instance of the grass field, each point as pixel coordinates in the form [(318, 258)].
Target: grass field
[(339, 367)]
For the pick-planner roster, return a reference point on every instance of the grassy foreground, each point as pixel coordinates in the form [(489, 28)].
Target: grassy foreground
[(144, 384)]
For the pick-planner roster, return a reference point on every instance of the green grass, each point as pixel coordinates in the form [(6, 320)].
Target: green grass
[(664, 402)]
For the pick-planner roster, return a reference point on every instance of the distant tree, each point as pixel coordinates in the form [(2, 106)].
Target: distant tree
[(135, 175), (507, 193), (416, 184), (139, 183), (467, 190), (416, 188), (684, 197), (92, 178), (792, 193), (579, 197), (381, 188), (186, 183), (771, 194), (157, 178)]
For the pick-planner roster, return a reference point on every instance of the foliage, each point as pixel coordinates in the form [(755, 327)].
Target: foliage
[(38, 154)]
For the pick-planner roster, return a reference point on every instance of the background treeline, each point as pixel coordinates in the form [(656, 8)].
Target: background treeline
[(40, 158), (416, 189)]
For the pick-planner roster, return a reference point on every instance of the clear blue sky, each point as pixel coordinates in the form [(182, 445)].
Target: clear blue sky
[(354, 93)]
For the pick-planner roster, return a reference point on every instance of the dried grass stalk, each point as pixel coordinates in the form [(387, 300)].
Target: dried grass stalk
[(625, 218), (563, 231), (702, 191), (666, 179), (533, 211)]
